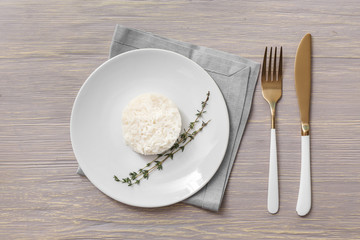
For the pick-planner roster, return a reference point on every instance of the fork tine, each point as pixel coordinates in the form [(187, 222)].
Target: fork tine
[(274, 69), (280, 65), (269, 72), (263, 72)]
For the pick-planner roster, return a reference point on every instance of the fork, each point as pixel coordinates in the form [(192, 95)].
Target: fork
[(271, 84)]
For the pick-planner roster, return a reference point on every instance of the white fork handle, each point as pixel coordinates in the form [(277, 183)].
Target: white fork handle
[(304, 198), (273, 186)]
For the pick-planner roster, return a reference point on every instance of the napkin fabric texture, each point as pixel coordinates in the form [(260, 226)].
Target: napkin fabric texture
[(236, 78)]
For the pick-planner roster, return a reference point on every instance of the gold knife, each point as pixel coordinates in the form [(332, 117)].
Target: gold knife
[(303, 90)]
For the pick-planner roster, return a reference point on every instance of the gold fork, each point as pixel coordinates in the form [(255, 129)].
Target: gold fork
[(271, 84)]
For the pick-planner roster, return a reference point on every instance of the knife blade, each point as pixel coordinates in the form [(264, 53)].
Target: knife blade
[(303, 91)]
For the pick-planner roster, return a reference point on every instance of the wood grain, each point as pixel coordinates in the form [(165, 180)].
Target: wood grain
[(48, 49)]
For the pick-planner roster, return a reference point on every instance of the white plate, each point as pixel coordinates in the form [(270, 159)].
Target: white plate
[(96, 133)]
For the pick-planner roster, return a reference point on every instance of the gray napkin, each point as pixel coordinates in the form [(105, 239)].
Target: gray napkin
[(236, 78)]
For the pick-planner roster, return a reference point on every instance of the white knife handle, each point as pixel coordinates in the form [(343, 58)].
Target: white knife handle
[(304, 199), (273, 187)]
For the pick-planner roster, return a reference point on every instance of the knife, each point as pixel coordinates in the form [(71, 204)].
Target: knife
[(303, 89)]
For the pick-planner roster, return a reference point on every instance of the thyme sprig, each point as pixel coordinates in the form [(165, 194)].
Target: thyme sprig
[(184, 139)]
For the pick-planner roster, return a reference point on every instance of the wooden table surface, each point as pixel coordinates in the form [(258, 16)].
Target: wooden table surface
[(48, 49)]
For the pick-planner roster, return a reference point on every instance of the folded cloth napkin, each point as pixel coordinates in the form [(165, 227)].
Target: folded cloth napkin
[(236, 78)]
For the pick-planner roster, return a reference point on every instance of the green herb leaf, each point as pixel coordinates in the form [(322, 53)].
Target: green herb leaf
[(133, 175), (146, 174), (159, 165)]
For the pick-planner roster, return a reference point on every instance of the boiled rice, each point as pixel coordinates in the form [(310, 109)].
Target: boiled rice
[(151, 123)]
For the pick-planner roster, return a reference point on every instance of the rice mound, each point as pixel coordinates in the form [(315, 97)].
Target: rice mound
[(151, 123)]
